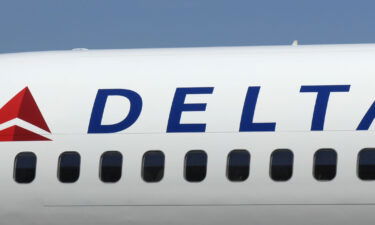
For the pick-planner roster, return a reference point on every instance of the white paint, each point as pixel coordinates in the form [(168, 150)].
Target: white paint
[(64, 85)]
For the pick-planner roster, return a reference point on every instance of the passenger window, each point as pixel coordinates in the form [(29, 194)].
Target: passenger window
[(111, 166), (281, 165), (69, 167), (238, 165), (325, 163), (366, 164), (195, 166), (24, 167), (153, 166)]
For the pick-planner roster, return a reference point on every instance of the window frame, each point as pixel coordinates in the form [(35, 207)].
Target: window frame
[(270, 165), (357, 167), (185, 164), (59, 167), (15, 167), (143, 167), (314, 164), (249, 165), (101, 166)]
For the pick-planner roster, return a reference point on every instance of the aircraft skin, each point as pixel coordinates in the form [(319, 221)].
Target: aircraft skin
[(65, 85)]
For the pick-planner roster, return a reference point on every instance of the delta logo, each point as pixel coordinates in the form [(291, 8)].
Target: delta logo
[(22, 106)]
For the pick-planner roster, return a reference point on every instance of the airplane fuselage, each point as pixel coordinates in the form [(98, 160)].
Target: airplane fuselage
[(173, 101)]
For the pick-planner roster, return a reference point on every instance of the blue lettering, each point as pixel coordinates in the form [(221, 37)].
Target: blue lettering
[(323, 93), (367, 119), (248, 112), (96, 125), (179, 106)]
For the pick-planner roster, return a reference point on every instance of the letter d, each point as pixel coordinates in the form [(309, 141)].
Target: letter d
[(96, 125)]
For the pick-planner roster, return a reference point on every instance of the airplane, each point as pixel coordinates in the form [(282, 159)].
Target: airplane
[(217, 135)]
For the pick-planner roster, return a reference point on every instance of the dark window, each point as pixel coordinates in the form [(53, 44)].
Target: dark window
[(111, 166), (25, 167), (195, 166), (69, 166), (366, 164), (281, 165), (238, 165), (153, 166), (325, 163)]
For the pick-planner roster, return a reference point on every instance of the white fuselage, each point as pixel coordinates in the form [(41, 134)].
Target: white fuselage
[(65, 86)]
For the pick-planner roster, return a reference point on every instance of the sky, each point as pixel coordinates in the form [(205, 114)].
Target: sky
[(40, 25)]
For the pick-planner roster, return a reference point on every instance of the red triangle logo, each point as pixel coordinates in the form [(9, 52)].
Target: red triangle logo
[(22, 106)]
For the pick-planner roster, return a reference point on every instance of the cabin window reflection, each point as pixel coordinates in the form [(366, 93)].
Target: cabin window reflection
[(111, 166), (153, 166), (69, 167), (325, 163), (238, 165), (366, 164), (25, 167), (281, 165), (195, 166)]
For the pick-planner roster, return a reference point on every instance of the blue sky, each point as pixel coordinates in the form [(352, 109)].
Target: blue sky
[(38, 25)]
